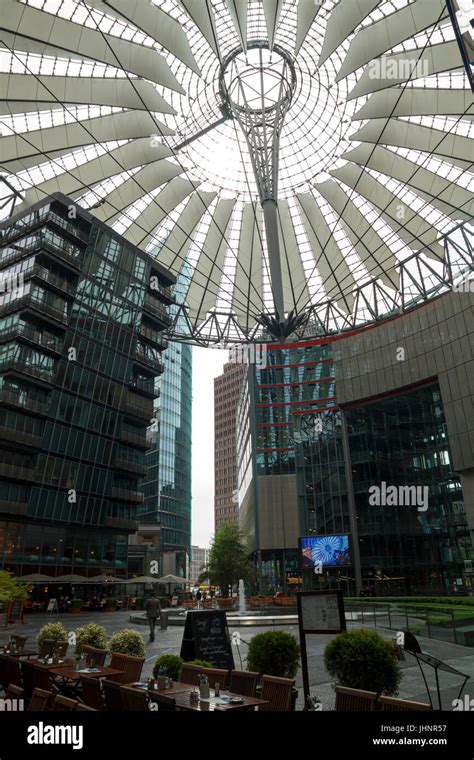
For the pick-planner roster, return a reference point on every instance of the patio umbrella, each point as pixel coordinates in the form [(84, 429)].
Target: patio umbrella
[(70, 578), (34, 578), (143, 579), (169, 579), (105, 579)]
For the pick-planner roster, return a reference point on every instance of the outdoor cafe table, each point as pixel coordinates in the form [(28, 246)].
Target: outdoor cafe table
[(67, 663), (181, 691), (21, 653), (69, 673)]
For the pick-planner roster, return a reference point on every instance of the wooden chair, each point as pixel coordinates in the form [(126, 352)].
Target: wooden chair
[(243, 682), (113, 696), (14, 692), (3, 671), (392, 704), (131, 667), (354, 700), (93, 654), (80, 707), (278, 692), (135, 700), (215, 675), (63, 704), (40, 700), (41, 678), (190, 674), (47, 646), (12, 672), (165, 703), (92, 692), (20, 642), (26, 668)]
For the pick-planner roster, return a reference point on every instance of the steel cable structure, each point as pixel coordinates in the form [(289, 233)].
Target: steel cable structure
[(306, 166)]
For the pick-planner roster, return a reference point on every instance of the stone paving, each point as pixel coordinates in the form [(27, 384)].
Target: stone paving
[(169, 641)]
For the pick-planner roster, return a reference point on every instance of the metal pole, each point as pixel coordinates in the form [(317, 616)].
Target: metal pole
[(351, 503), (270, 218)]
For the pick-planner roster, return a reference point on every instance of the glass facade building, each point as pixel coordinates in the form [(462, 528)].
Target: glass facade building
[(167, 487), (81, 316)]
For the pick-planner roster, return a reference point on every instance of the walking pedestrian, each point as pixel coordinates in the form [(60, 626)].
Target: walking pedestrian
[(153, 611)]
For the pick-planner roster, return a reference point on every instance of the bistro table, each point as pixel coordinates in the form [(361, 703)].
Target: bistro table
[(181, 694), (69, 673), (20, 653), (66, 663)]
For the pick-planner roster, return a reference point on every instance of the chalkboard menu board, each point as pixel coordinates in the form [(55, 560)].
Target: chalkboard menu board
[(15, 611), (206, 637)]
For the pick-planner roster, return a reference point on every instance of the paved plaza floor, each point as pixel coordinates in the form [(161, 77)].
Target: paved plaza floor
[(169, 641)]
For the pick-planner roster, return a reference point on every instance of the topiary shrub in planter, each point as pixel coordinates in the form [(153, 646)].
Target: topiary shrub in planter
[(127, 641), (111, 604), (274, 653), (76, 605), (52, 631), (139, 603), (363, 660), (168, 664), (200, 663), (91, 635)]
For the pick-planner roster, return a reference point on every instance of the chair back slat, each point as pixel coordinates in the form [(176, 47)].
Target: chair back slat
[(354, 700), (243, 682), (93, 654), (13, 672), (19, 642), (27, 677), (48, 645), (63, 704), (14, 692), (392, 704), (80, 707), (216, 675), (40, 700), (131, 667), (278, 692), (92, 692), (190, 674), (41, 678), (164, 702), (112, 695), (135, 700)]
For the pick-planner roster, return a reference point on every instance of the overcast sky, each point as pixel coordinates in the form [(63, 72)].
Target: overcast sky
[(207, 364)]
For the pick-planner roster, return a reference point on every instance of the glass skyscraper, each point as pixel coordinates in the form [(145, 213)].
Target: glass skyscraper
[(81, 316), (167, 486)]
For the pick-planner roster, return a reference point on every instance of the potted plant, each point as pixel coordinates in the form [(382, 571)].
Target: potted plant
[(127, 641), (111, 604), (92, 635), (274, 653), (363, 660), (200, 663), (76, 605), (51, 632), (169, 665), (139, 603)]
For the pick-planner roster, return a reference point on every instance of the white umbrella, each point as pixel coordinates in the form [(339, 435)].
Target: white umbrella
[(34, 578), (172, 579)]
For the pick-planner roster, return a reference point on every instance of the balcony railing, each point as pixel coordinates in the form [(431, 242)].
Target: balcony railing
[(13, 398), (61, 283), (20, 436), (39, 219), (163, 290), (134, 438), (153, 336), (143, 411), (28, 302), (27, 369), (157, 309), (121, 523), (147, 386), (40, 242), (125, 494), (152, 362), (13, 507), (44, 339), (125, 464), (17, 473)]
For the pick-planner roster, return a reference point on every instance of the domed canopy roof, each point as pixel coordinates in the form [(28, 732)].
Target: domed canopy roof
[(129, 107)]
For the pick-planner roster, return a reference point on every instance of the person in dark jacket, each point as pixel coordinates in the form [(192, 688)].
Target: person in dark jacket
[(153, 611)]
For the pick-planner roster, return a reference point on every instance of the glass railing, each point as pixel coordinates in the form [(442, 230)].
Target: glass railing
[(148, 386), (154, 336), (52, 279), (14, 398), (43, 339), (127, 494), (150, 361), (135, 438), (153, 306), (28, 369), (20, 436), (41, 240)]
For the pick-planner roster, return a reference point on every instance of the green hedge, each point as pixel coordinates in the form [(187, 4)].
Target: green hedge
[(464, 601)]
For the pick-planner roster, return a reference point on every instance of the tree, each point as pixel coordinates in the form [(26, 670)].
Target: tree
[(228, 561), (9, 590)]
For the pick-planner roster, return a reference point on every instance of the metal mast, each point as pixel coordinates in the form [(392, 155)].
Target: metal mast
[(257, 87)]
